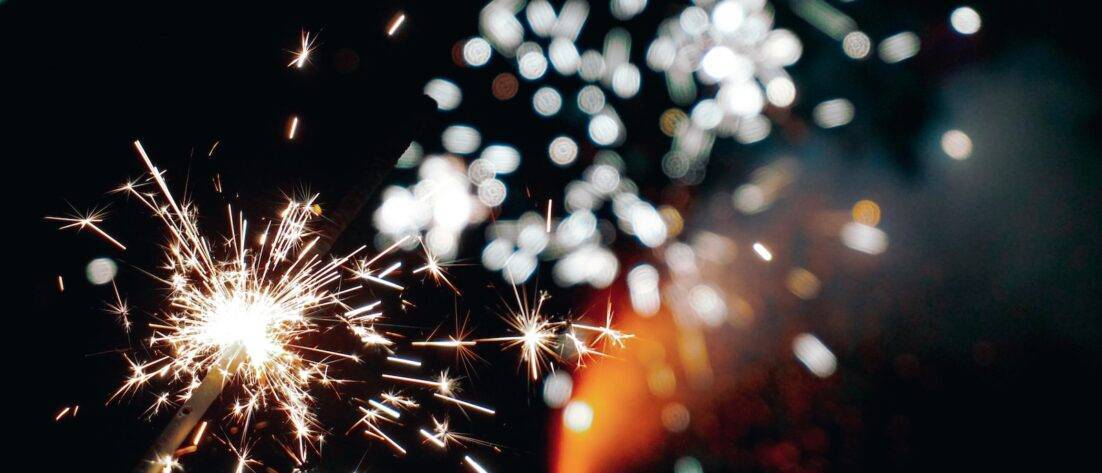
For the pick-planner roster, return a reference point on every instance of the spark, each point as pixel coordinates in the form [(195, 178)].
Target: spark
[(535, 333), (120, 308), (302, 56), (435, 269), (168, 464), (460, 402), (606, 332), (395, 24), (443, 383), (87, 220), (62, 413), (548, 226), (763, 252), (474, 465), (451, 343), (60, 284), (292, 128), (403, 361)]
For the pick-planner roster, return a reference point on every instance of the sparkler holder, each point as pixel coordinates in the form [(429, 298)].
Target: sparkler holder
[(189, 414)]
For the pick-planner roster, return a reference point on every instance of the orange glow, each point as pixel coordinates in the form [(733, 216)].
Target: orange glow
[(625, 423)]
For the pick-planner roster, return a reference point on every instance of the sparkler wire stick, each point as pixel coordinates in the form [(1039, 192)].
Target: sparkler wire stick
[(189, 414)]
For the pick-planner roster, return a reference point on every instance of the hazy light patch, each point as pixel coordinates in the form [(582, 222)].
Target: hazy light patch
[(898, 47), (814, 355), (965, 20), (864, 238), (956, 144)]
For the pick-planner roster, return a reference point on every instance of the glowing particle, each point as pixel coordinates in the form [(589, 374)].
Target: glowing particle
[(578, 416)]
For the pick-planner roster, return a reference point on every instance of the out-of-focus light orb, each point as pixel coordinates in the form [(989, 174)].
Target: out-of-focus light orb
[(647, 224), (661, 381), (604, 177), (833, 113), (707, 114), (898, 47), (802, 283), (603, 129), (708, 305), (956, 144), (780, 91), (476, 52), (533, 65), (864, 238), (592, 65), (965, 20), (814, 355), (661, 54), (564, 56), (563, 151), (762, 251), (670, 121), (496, 254), (675, 417), (643, 287), (480, 170), (101, 271), (505, 158), (504, 86), (856, 45), (721, 62), (500, 26), (727, 16), (578, 416), (491, 192), (694, 21), (626, 80), (590, 264), (749, 199), (547, 101), (742, 99), (753, 129), (591, 99), (626, 9), (446, 94), (519, 267), (866, 212), (687, 465), (557, 388), (541, 17), (782, 48), (461, 139)]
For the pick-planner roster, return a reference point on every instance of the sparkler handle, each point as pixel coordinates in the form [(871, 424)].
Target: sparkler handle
[(189, 414)]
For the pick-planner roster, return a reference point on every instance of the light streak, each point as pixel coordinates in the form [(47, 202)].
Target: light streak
[(474, 465), (395, 24), (763, 252), (89, 221), (292, 128), (463, 403), (403, 361)]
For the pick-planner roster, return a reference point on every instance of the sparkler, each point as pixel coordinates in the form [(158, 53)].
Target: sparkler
[(243, 314)]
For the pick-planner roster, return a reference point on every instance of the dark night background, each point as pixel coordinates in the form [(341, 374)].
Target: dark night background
[(973, 343)]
